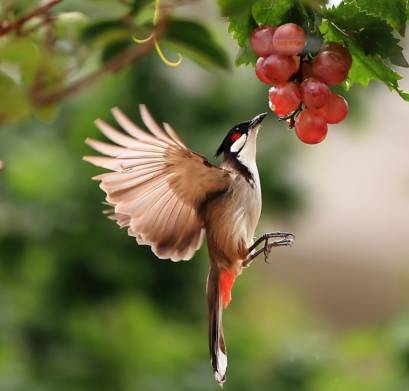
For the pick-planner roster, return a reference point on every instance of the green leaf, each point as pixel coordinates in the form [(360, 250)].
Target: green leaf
[(197, 42), (15, 106), (370, 32), (23, 53), (138, 5), (46, 113), (391, 11), (234, 7), (241, 26), (104, 32), (274, 12), (113, 49), (68, 24), (366, 68), (245, 56), (241, 22)]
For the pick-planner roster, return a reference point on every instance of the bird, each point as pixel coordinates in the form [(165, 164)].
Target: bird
[(169, 198)]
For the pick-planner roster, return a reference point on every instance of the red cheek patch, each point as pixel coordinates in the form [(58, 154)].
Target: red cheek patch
[(235, 136)]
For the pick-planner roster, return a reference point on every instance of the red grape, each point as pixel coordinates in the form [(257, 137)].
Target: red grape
[(289, 39), (285, 98), (261, 40), (310, 127), (260, 71), (335, 110), (315, 93), (338, 48), (279, 68), (331, 67)]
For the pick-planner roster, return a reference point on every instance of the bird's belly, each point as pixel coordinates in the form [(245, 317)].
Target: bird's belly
[(231, 223)]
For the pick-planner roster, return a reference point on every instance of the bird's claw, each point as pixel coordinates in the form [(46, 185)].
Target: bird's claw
[(288, 242), (280, 239)]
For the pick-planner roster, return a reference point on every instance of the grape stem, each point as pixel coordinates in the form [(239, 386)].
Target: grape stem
[(291, 117)]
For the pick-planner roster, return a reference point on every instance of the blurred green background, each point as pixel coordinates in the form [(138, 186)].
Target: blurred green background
[(82, 307)]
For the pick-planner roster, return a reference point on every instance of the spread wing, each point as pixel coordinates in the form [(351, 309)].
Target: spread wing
[(156, 184)]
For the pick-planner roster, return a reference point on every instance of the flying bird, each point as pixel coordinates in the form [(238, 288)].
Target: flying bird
[(170, 197)]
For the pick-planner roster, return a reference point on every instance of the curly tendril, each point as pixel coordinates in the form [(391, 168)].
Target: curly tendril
[(156, 17)]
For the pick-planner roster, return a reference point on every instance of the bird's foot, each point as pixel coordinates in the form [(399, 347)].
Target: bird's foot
[(278, 243), (281, 239)]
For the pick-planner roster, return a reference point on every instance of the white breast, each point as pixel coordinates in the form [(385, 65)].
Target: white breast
[(247, 200)]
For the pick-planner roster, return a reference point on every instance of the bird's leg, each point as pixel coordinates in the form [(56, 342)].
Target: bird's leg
[(284, 239)]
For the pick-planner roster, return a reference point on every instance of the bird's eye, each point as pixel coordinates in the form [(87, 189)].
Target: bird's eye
[(235, 136)]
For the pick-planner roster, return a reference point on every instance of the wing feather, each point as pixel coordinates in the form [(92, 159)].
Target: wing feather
[(152, 125), (156, 185), (173, 135), (116, 136), (105, 148), (134, 130)]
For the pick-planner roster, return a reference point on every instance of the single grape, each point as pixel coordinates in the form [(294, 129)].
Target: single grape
[(315, 93), (330, 67), (279, 68), (335, 110), (284, 98), (338, 48), (261, 40), (310, 127), (289, 39), (260, 71)]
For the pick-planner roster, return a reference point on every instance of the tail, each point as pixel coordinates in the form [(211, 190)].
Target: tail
[(219, 284)]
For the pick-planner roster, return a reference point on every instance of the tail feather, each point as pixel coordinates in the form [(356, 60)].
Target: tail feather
[(219, 284)]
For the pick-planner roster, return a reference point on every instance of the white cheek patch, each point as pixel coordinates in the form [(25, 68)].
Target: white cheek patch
[(238, 144)]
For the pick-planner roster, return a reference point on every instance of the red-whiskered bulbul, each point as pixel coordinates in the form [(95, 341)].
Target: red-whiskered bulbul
[(169, 197)]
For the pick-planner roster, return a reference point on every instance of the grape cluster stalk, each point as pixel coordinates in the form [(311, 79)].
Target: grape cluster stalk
[(300, 82)]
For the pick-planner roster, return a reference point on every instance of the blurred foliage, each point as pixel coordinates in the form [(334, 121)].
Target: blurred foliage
[(44, 51), (82, 307)]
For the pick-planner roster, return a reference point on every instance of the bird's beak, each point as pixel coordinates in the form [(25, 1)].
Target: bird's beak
[(257, 120)]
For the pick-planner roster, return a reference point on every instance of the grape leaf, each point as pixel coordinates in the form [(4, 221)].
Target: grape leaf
[(241, 24), (234, 7), (366, 68), (391, 11), (371, 33), (273, 12), (245, 56)]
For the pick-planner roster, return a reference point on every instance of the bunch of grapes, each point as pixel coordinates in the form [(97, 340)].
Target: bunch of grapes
[(300, 81)]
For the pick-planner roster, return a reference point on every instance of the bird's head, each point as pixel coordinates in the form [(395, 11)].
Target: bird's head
[(240, 142)]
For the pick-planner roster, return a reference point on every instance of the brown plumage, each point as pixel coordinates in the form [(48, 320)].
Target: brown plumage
[(157, 186), (169, 197)]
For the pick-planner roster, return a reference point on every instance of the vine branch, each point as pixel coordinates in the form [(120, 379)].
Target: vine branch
[(114, 65), (8, 27)]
